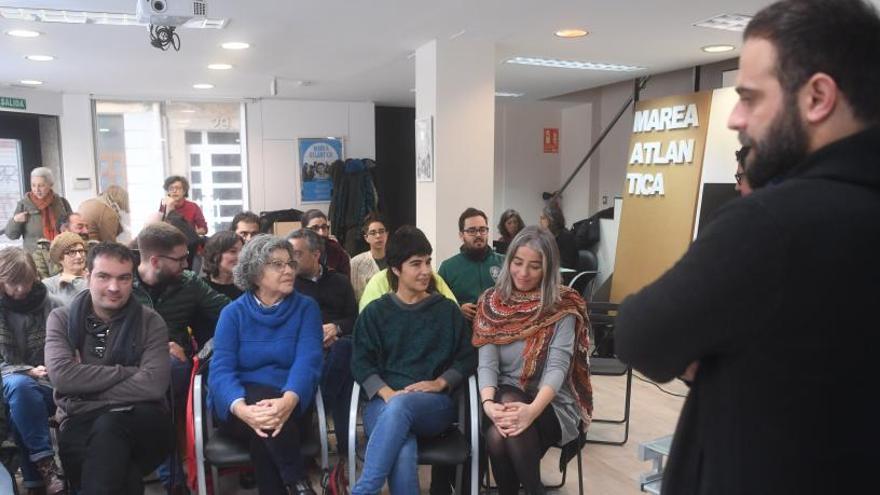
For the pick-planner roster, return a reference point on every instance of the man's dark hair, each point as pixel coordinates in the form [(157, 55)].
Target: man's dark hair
[(63, 221), (159, 238), (373, 217), (840, 38), (404, 243), (468, 213), (110, 250), (310, 215), (246, 217), (316, 242), (177, 178), (218, 244)]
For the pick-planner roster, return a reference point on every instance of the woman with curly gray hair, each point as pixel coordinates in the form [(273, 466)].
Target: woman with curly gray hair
[(267, 363)]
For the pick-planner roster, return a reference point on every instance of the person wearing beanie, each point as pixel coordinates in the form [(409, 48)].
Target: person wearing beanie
[(69, 251)]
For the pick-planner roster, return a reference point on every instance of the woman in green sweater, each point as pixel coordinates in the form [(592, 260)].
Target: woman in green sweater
[(411, 348)]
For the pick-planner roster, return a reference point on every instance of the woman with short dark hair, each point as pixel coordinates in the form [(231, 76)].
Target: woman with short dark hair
[(175, 203), (219, 259), (533, 362), (267, 363), (411, 349), (509, 225)]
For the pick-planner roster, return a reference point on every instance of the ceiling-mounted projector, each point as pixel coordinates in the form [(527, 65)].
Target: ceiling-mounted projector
[(170, 12)]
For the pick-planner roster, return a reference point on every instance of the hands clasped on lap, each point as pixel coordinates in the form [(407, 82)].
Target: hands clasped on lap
[(267, 417), (511, 418)]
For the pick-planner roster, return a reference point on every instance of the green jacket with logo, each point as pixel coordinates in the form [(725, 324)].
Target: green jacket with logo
[(189, 303), (469, 278)]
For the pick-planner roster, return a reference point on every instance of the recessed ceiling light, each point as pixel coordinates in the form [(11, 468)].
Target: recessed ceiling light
[(572, 64), (726, 22), (104, 129), (236, 45), (30, 82), (40, 58), (571, 33), (219, 66), (718, 48), (506, 94), (188, 110), (203, 86), (23, 33)]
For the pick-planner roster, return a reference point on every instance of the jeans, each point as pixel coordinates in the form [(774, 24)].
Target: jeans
[(109, 452), (392, 449), (171, 470), (30, 405), (336, 385)]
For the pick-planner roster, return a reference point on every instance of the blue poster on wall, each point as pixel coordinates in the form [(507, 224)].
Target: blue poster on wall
[(315, 157)]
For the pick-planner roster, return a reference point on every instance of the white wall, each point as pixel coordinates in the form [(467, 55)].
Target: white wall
[(575, 140), (522, 170), (77, 147), (273, 127)]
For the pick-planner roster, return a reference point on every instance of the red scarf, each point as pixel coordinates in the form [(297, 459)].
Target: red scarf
[(46, 213), (502, 322)]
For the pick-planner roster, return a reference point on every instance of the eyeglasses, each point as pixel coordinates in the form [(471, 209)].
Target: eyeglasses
[(180, 260), (739, 177), (279, 265), (323, 226), (377, 233), (476, 230), (74, 252)]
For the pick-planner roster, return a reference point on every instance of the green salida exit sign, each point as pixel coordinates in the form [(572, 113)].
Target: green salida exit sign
[(15, 103)]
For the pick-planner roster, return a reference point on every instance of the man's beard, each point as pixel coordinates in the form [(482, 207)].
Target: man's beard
[(166, 278), (475, 253), (783, 148)]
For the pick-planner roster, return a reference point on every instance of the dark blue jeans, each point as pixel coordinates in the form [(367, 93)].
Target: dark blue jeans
[(30, 405), (392, 448), (336, 385)]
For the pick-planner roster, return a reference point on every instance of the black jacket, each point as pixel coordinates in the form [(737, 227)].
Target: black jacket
[(776, 299), (335, 298)]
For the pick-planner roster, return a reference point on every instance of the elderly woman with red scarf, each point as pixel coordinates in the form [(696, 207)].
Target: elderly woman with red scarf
[(37, 213), (533, 362)]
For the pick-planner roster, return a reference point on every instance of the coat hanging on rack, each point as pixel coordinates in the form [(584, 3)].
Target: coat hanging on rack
[(354, 196)]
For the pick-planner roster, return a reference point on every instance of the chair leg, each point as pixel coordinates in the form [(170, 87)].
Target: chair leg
[(580, 472), (626, 416)]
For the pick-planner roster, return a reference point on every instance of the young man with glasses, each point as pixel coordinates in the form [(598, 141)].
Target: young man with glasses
[(334, 255), (106, 358), (185, 302), (369, 263)]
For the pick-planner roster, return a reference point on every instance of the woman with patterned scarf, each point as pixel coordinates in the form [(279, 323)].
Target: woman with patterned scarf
[(24, 307), (37, 213), (533, 362)]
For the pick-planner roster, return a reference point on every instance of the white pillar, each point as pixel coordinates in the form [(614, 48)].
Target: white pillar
[(455, 84)]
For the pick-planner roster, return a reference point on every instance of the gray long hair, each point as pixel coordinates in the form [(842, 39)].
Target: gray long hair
[(253, 259), (542, 241)]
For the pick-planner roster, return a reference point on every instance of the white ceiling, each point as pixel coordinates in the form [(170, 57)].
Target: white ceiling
[(361, 49)]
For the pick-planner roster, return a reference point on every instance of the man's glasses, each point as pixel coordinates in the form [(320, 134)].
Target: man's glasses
[(74, 252), (739, 177), (180, 260), (279, 265), (476, 230), (377, 233), (323, 226)]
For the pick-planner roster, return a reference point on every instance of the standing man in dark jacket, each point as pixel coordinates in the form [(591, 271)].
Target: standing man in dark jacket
[(106, 357), (335, 297), (186, 303), (774, 304)]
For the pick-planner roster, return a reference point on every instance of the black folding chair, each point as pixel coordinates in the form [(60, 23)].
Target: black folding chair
[(604, 362)]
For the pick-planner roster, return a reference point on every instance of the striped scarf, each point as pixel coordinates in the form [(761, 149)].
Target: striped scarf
[(501, 322)]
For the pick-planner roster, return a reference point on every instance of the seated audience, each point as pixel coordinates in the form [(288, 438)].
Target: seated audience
[(175, 203), (46, 266), (334, 255), (533, 366), (36, 215), (335, 299), (106, 358), (267, 363), (105, 214), (368, 263), (190, 309), (509, 225), (246, 224), (68, 250), (553, 220), (411, 349), (220, 257), (25, 305)]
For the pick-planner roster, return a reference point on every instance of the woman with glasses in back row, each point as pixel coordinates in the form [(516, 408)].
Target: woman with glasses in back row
[(369, 263), (267, 363), (334, 255)]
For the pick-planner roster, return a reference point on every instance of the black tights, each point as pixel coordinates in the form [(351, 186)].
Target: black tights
[(517, 459)]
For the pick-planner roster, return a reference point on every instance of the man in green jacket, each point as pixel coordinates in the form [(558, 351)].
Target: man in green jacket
[(186, 303), (476, 267)]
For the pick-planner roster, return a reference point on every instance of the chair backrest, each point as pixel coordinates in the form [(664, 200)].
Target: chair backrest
[(602, 316)]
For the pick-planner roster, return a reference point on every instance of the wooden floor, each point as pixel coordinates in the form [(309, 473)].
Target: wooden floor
[(608, 470)]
